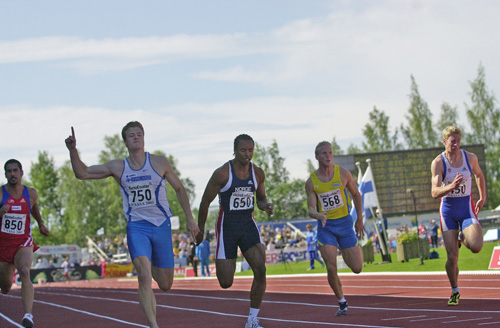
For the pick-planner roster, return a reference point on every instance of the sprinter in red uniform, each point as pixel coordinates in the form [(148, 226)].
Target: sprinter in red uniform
[(16, 243)]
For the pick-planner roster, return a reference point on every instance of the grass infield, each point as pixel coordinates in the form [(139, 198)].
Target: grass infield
[(467, 261)]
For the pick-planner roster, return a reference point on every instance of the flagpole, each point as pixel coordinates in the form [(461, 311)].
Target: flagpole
[(384, 233)]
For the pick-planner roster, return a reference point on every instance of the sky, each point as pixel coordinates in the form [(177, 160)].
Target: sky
[(198, 73)]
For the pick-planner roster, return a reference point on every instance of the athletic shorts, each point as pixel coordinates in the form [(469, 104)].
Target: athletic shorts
[(457, 213), (338, 232), (146, 239), (236, 233), (8, 252)]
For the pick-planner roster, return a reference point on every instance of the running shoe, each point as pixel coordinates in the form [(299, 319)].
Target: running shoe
[(453, 301), (342, 309), (27, 320), (460, 238), (253, 323)]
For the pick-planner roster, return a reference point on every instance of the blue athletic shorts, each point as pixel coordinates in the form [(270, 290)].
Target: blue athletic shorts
[(338, 232), (146, 239), (457, 213)]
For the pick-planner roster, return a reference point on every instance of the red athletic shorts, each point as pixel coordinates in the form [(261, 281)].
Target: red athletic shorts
[(8, 252)]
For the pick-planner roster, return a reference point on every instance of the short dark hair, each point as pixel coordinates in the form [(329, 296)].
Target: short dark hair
[(242, 137), (132, 124), (13, 161)]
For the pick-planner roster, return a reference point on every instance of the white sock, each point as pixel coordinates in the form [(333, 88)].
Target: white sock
[(342, 300), (253, 313), (455, 290)]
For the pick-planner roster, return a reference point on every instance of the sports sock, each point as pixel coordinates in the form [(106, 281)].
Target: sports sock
[(253, 312)]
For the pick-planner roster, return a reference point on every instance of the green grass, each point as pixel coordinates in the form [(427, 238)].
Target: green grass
[(467, 261)]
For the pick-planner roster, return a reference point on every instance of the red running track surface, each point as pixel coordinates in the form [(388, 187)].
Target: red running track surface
[(375, 300)]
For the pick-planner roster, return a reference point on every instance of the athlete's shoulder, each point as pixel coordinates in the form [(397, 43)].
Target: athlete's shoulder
[(221, 174)]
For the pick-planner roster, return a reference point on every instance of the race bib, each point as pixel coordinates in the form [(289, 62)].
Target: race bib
[(14, 223), (460, 191), (141, 194), (241, 200), (331, 200)]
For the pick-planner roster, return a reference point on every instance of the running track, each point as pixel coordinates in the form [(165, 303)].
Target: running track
[(375, 300)]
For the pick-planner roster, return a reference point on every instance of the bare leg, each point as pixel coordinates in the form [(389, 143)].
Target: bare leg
[(450, 239), (22, 262), (473, 238), (256, 258), (329, 254), (146, 296), (6, 276)]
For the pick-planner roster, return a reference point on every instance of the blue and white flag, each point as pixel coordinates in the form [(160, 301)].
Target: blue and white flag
[(369, 197)]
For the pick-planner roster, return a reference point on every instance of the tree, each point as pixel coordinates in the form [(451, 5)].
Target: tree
[(448, 117), (377, 133), (337, 150), (288, 197), (353, 149), (419, 132), (484, 119), (45, 179)]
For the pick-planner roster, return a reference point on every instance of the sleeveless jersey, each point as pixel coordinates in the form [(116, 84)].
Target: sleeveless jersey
[(236, 198), (332, 197), (464, 190), (16, 223), (144, 193)]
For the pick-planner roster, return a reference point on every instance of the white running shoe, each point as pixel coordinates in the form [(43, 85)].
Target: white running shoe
[(253, 323), (27, 320)]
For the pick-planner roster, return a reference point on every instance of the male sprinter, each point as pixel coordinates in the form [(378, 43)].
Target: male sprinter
[(142, 180), (452, 182), (327, 202)]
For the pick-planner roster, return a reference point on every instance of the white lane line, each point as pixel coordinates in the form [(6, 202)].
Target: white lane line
[(404, 318), (10, 320), (220, 313), (86, 312), (489, 323), (430, 319), (466, 320)]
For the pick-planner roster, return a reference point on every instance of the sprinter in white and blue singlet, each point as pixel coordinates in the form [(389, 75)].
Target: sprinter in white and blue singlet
[(236, 182), (452, 173), (142, 183)]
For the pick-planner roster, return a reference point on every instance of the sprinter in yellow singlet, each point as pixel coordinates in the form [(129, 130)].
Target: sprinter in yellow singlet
[(328, 202)]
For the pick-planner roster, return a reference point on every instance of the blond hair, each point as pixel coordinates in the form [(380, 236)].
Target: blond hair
[(449, 130), (321, 144)]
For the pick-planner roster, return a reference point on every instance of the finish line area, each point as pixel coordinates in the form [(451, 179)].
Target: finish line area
[(376, 300)]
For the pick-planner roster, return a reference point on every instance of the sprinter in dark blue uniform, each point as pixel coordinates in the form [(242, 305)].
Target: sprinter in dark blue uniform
[(236, 182)]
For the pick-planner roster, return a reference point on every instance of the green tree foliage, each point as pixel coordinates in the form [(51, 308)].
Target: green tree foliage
[(287, 196), (377, 132), (419, 132), (448, 117), (484, 119), (45, 179), (353, 149)]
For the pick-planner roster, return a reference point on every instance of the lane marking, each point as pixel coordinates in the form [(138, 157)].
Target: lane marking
[(10, 320)]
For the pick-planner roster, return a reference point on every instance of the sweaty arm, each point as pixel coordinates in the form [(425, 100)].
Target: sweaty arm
[(480, 181), (437, 190), (81, 170), (356, 197), (312, 203), (35, 212), (182, 196), (260, 193), (214, 185)]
